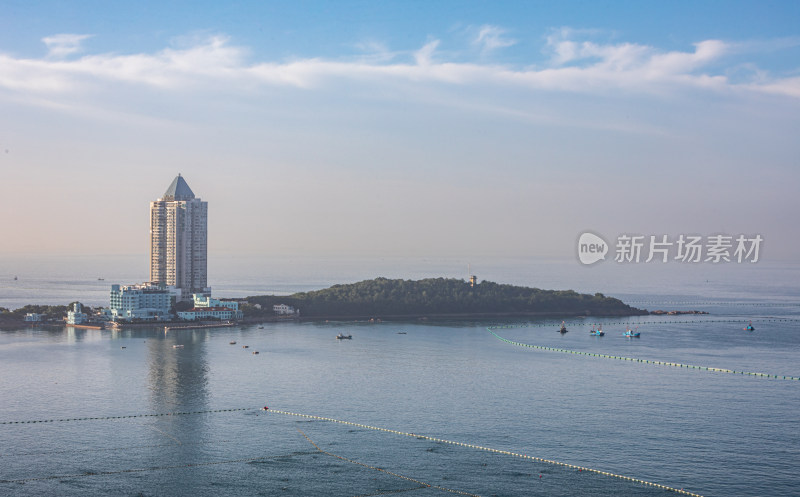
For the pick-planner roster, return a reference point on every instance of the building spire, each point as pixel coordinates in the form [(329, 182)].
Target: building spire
[(178, 190)]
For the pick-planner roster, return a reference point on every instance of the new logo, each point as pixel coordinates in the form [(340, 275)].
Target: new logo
[(591, 248)]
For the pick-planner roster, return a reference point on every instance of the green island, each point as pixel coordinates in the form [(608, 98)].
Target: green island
[(437, 297)]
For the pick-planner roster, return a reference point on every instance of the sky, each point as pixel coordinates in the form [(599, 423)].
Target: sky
[(399, 128)]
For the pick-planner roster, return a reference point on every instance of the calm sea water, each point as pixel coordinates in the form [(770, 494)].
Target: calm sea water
[(715, 434)]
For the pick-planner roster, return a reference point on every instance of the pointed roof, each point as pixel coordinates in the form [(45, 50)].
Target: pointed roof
[(178, 190)]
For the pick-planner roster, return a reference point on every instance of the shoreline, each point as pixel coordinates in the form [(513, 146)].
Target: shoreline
[(185, 325)]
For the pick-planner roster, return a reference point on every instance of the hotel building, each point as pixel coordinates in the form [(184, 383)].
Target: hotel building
[(179, 240)]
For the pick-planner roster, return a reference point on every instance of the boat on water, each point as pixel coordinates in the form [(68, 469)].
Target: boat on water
[(177, 346), (344, 337), (563, 328), (749, 327), (232, 343), (597, 332), (631, 334)]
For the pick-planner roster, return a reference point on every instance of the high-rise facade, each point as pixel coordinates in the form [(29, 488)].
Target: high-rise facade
[(179, 239)]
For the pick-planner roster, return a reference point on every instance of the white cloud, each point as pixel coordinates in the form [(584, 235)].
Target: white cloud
[(61, 45), (786, 86), (218, 66), (424, 54), (491, 38)]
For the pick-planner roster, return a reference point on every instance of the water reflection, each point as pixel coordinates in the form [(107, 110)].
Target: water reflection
[(178, 370), (177, 381)]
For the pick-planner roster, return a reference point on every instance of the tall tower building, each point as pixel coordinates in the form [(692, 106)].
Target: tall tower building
[(179, 239)]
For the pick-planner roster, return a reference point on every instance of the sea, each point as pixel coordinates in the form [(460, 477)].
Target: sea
[(496, 407)]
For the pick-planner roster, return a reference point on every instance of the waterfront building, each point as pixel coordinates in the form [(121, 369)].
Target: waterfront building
[(199, 313), (33, 317), (76, 316), (145, 301), (179, 240), (283, 310), (201, 300), (207, 307)]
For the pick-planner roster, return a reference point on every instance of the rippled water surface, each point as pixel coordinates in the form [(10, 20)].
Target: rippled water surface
[(186, 421)]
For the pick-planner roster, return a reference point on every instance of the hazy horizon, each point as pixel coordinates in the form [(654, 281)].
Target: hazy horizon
[(378, 130)]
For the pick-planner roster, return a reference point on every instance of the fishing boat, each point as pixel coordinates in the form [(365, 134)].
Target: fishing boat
[(631, 334), (749, 327), (232, 343), (563, 328), (597, 332), (344, 337)]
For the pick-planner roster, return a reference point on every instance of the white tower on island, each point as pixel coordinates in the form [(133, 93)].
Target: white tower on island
[(179, 239)]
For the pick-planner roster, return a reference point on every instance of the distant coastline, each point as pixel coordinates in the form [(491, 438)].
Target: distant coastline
[(395, 299)]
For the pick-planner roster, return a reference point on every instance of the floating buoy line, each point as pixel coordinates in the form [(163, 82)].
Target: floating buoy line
[(648, 322), (98, 418), (318, 418), (632, 359), (489, 449), (736, 303)]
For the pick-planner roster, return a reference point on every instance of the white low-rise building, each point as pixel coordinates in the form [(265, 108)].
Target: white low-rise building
[(284, 310), (145, 301), (206, 307), (76, 316), (203, 300), (200, 313), (33, 317)]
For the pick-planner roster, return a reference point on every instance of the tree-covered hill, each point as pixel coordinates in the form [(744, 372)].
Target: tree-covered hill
[(439, 296)]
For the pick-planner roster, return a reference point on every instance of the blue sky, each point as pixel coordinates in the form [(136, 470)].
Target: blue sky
[(392, 128)]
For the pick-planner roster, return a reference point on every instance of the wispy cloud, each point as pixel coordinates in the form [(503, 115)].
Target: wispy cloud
[(491, 38), (216, 65), (64, 44)]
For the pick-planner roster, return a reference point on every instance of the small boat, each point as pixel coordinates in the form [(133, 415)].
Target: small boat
[(245, 346), (597, 332), (402, 333), (177, 346), (631, 334), (232, 343), (255, 352), (563, 328), (344, 337), (749, 327), (260, 327), (15, 278)]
